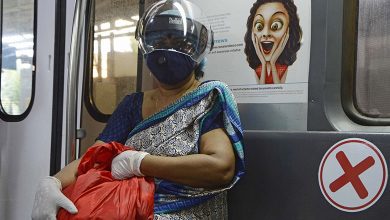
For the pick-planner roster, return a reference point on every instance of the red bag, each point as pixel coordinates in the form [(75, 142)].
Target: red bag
[(98, 196)]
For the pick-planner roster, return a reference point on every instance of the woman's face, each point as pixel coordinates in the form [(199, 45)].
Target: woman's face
[(269, 26)]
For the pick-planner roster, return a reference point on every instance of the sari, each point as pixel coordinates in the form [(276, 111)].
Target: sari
[(175, 131)]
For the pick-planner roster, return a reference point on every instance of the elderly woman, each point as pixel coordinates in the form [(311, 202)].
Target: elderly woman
[(272, 39), (187, 134)]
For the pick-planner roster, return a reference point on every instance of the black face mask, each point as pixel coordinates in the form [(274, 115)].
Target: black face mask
[(170, 67)]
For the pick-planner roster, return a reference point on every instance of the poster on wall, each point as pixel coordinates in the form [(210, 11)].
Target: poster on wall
[(261, 48)]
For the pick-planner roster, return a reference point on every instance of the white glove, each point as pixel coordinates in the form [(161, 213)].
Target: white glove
[(49, 198), (127, 164)]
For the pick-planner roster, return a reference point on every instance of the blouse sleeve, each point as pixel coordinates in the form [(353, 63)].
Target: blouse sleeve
[(212, 123), (121, 121)]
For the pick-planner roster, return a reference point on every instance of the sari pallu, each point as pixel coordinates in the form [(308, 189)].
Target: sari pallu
[(175, 131)]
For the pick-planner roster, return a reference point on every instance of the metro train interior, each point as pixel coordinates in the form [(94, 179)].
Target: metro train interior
[(65, 66)]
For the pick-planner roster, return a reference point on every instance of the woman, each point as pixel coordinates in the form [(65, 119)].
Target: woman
[(187, 134), (272, 39)]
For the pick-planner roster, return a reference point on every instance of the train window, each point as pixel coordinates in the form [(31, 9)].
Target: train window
[(366, 64), (113, 68), (18, 59)]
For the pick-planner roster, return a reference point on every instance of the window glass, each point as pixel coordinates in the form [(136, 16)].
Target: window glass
[(115, 52), (17, 65), (373, 54)]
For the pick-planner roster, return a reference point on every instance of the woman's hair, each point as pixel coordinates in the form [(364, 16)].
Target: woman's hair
[(199, 69), (199, 73), (289, 54)]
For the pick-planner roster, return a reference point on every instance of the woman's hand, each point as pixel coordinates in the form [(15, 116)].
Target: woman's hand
[(49, 198), (127, 164)]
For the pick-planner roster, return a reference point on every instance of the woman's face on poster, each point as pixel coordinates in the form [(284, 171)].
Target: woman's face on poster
[(269, 26)]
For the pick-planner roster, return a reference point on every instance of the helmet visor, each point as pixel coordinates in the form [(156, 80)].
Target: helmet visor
[(175, 25)]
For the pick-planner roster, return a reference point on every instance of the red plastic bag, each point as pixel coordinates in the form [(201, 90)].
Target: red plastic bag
[(98, 196)]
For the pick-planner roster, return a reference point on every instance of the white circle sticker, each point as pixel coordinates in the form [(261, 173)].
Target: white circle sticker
[(353, 175)]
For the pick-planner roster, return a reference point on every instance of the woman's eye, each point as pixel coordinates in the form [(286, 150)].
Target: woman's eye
[(276, 25), (259, 26)]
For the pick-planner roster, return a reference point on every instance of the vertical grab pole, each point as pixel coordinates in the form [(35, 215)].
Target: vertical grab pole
[(72, 89)]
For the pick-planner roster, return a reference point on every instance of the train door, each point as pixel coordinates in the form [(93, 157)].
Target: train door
[(26, 102)]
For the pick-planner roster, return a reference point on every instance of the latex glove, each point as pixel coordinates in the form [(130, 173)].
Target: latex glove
[(49, 198), (127, 164)]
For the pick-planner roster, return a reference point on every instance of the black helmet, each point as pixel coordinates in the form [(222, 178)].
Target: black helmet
[(175, 25)]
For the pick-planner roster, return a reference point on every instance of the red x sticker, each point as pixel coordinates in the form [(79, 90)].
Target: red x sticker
[(353, 175)]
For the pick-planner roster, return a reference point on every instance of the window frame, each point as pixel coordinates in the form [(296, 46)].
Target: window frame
[(349, 61), (88, 64), (3, 114)]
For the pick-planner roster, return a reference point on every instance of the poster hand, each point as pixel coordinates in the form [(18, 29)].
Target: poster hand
[(256, 45), (280, 48)]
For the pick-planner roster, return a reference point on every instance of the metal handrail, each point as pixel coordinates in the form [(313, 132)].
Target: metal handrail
[(72, 89)]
